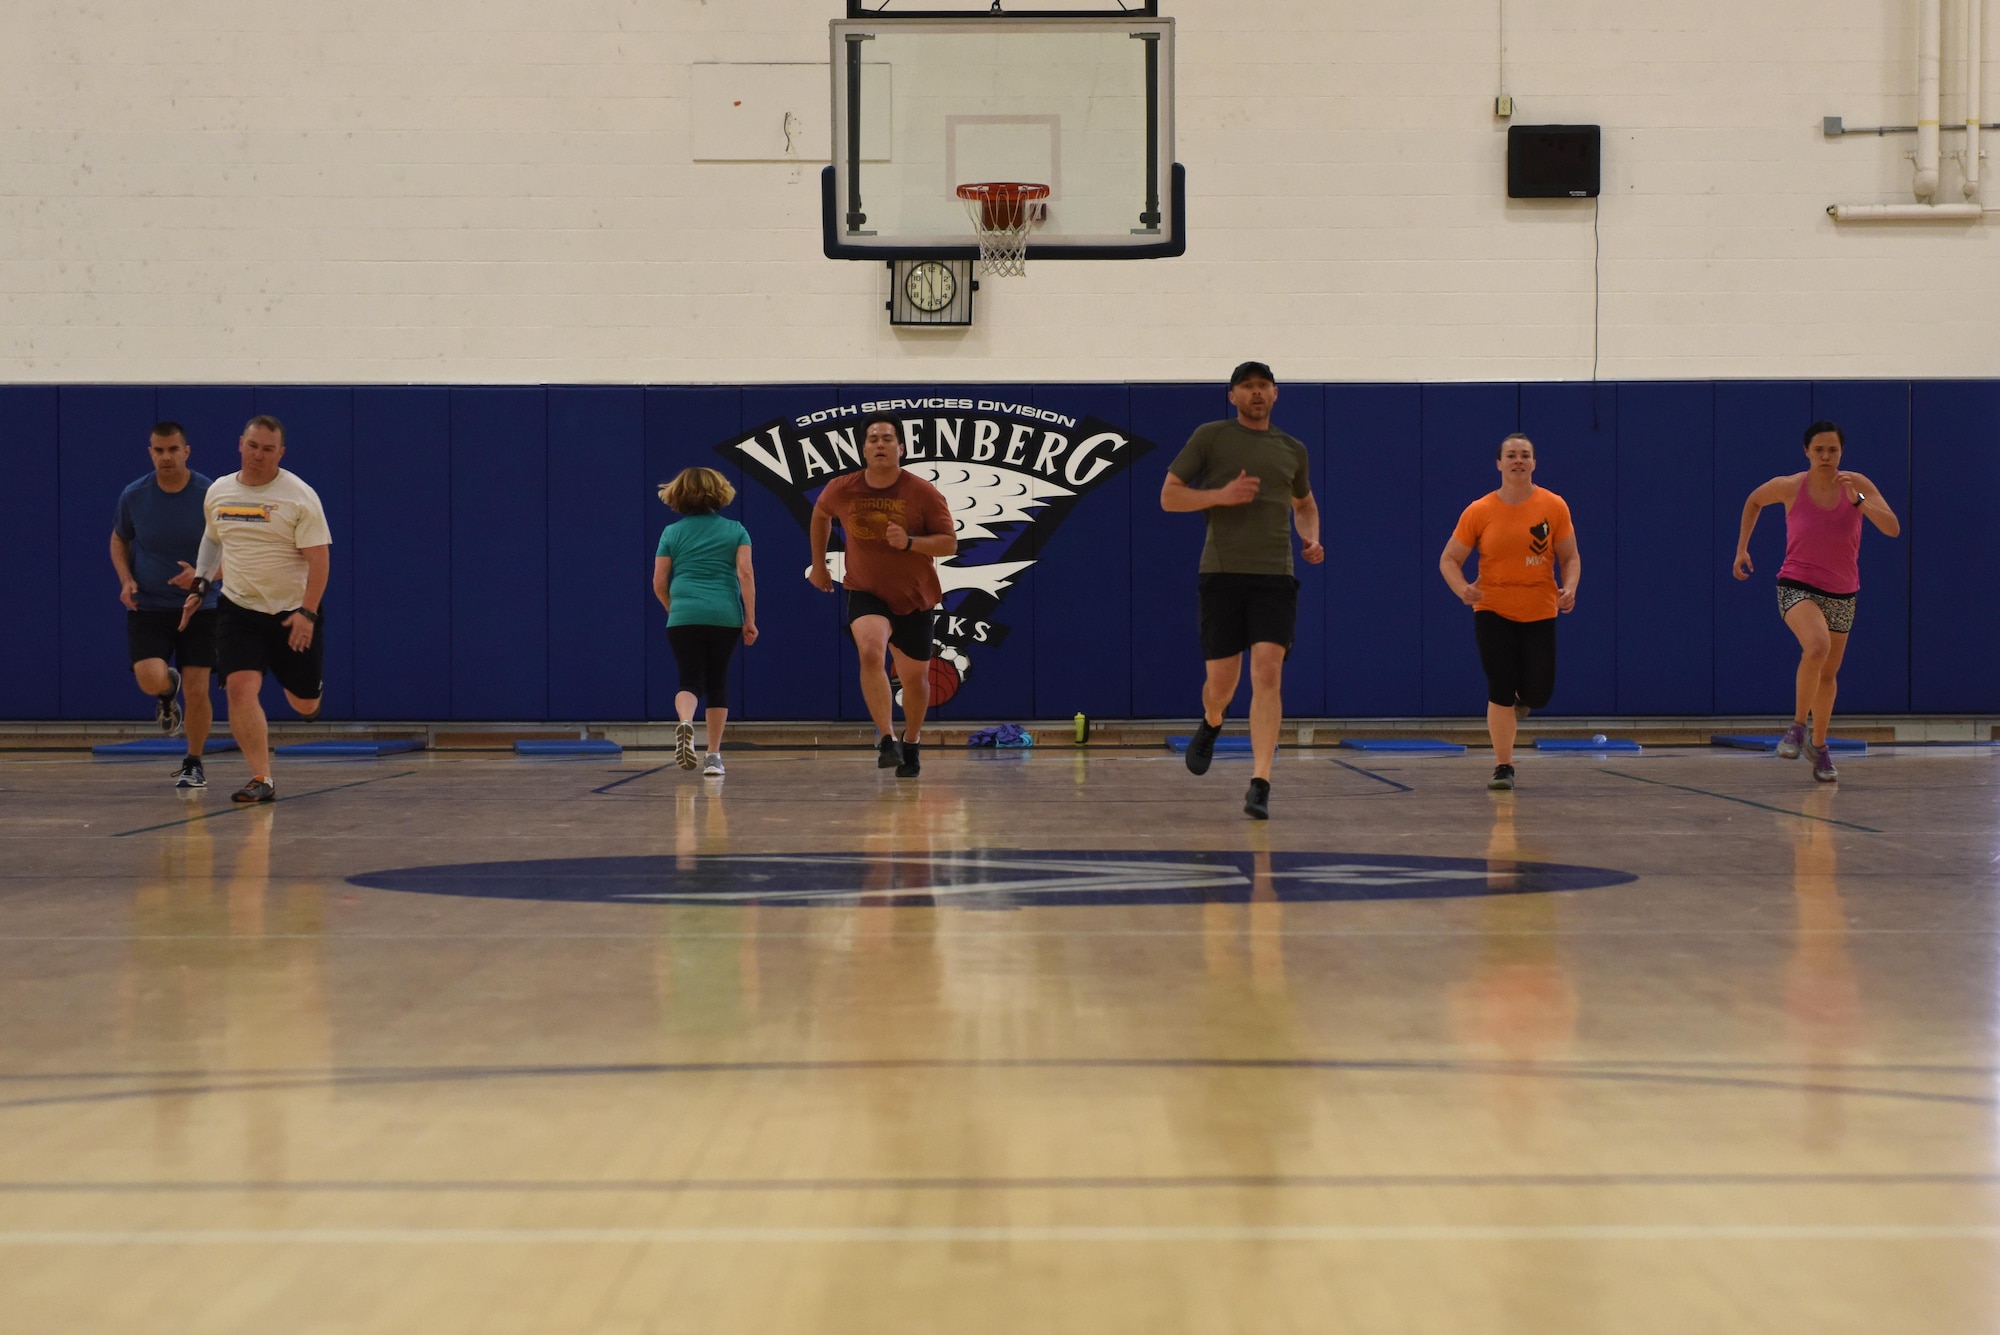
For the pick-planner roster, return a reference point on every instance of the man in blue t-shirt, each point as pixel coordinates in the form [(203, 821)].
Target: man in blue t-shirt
[(159, 525)]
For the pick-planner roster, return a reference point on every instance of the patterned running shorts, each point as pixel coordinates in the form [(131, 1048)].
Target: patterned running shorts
[(1839, 612)]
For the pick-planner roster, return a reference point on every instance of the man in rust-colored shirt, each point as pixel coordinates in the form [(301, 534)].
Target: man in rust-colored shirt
[(895, 524)]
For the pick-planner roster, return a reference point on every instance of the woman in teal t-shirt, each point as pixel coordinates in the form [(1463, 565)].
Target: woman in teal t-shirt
[(701, 575)]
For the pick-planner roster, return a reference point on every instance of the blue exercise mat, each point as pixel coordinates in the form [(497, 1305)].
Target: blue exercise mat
[(1411, 745), (1611, 744), (1224, 746), (350, 748), (1769, 742), (569, 746), (160, 746)]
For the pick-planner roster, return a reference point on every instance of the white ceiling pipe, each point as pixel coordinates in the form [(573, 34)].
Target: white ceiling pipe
[(1974, 72), (1929, 21), (1904, 212)]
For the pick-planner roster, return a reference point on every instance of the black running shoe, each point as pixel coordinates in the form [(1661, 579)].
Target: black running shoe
[(257, 790), (191, 774), (913, 761), (167, 711), (888, 754), (1257, 802), (1503, 778), (1201, 747)]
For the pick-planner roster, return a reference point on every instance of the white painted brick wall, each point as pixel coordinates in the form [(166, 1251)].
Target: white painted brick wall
[(502, 191)]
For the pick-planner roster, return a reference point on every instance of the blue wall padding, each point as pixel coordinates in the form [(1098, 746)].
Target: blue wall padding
[(1955, 478), (345, 749), (598, 562), (31, 548), (1666, 544), (397, 557), (1083, 623), (493, 548), (581, 746), (499, 554), (1381, 565), (1411, 745), (148, 747)]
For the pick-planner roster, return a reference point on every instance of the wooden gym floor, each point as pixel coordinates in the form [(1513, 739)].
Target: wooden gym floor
[(1664, 1043)]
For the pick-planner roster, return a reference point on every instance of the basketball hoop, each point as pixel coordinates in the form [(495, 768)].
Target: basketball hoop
[(1003, 213)]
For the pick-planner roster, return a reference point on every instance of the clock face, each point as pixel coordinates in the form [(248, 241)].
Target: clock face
[(930, 286)]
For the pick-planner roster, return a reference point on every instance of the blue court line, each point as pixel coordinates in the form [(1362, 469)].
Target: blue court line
[(638, 775), (1370, 774), (1221, 1181), (457, 1075), (1761, 806), (236, 807)]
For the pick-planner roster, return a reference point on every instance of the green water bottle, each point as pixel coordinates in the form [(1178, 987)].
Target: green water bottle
[(1082, 729)]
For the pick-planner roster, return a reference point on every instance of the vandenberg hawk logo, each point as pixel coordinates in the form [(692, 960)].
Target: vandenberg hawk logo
[(1011, 472)]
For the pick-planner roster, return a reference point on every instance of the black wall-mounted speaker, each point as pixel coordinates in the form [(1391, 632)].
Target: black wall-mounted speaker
[(1553, 161)]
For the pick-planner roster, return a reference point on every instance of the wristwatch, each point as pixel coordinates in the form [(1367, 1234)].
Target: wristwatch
[(909, 540), (1859, 497), (308, 615)]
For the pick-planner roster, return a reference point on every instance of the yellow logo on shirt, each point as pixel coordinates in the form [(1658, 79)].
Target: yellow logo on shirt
[(243, 514)]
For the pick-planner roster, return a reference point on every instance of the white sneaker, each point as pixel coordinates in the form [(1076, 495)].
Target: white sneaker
[(711, 768)]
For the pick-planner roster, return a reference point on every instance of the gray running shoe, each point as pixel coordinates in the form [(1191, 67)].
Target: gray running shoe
[(167, 711), (1521, 712), (1792, 742), (711, 768), (190, 774), (684, 746), (1822, 763), (257, 790)]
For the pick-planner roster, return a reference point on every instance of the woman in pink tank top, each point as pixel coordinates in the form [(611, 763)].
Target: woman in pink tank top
[(1820, 578)]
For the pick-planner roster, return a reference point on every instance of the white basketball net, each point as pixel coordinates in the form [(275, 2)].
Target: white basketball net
[(1003, 224)]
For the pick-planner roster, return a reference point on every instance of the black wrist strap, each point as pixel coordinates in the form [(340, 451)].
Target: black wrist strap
[(310, 616)]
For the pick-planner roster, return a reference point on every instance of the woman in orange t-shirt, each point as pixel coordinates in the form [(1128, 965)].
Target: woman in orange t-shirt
[(1520, 532)]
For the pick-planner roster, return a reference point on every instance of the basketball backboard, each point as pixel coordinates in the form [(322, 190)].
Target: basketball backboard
[(1077, 100)]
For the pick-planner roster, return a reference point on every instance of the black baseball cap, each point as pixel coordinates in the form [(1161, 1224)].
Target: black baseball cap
[(1249, 369)]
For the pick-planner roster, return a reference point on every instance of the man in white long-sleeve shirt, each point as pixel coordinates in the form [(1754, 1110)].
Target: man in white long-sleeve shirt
[(267, 539)]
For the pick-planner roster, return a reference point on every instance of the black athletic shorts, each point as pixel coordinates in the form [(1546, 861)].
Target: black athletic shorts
[(703, 653), (247, 641), (910, 632), (1519, 658), (1238, 611), (152, 633)]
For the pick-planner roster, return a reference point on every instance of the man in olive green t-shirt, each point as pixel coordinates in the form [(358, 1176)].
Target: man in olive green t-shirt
[(1255, 482)]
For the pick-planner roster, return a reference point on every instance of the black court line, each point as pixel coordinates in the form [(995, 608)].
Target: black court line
[(462, 1075), (636, 774), (1370, 774), (1761, 806), (1219, 1181), (237, 807)]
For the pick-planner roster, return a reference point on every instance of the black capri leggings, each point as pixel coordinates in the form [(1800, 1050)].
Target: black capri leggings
[(703, 653), (1519, 658)]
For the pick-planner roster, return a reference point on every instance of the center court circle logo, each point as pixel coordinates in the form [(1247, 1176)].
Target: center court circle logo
[(993, 879)]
